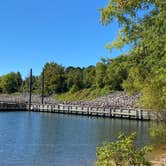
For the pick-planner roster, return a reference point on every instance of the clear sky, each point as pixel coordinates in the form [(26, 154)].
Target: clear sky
[(33, 32)]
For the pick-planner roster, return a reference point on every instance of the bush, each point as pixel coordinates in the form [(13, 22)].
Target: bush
[(158, 133), (122, 153)]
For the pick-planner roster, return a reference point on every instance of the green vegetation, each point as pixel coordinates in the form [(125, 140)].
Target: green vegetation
[(10, 83), (107, 76), (141, 70), (85, 94), (158, 134), (122, 153), (143, 25)]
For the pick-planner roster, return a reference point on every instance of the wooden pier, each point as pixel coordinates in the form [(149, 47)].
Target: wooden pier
[(128, 113), (13, 106)]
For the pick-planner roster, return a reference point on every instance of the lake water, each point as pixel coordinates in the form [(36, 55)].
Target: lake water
[(48, 139)]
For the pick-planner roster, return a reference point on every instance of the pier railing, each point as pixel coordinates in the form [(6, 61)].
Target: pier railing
[(12, 106), (112, 112), (129, 113)]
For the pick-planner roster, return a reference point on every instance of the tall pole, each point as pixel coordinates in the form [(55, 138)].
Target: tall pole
[(42, 87), (30, 89)]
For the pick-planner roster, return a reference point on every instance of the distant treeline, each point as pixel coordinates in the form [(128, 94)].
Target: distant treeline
[(108, 73), (126, 72)]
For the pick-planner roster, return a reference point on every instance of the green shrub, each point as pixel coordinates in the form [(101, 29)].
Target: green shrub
[(123, 152), (158, 133)]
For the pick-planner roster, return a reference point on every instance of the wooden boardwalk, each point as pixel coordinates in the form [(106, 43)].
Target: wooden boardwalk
[(128, 113), (12, 106), (95, 111)]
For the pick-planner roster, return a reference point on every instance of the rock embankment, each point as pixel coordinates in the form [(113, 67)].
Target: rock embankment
[(24, 98), (118, 99)]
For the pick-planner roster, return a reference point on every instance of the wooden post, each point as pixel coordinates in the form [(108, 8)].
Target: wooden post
[(142, 117), (76, 110), (91, 109), (30, 89), (42, 87), (68, 109), (137, 114), (104, 114), (129, 112), (97, 111), (121, 111), (110, 112), (149, 115)]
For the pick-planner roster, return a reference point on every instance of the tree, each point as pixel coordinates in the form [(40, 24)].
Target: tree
[(147, 33), (54, 78), (101, 74), (0, 85), (134, 26), (154, 90), (89, 75), (36, 85), (74, 78), (143, 26), (11, 82), (117, 72)]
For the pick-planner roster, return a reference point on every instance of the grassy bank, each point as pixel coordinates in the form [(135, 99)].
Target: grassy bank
[(85, 94)]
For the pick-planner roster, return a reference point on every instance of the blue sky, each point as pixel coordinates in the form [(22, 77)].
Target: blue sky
[(33, 32)]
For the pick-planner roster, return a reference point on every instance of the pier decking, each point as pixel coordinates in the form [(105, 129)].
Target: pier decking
[(12, 106), (128, 113)]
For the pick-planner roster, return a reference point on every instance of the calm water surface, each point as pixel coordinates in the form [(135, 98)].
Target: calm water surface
[(48, 139)]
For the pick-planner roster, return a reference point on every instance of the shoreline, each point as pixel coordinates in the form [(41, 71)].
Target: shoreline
[(158, 156), (159, 160)]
